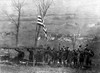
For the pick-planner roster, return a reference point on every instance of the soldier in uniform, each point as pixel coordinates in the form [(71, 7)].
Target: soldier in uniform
[(75, 57), (80, 56), (30, 56), (70, 57), (88, 55)]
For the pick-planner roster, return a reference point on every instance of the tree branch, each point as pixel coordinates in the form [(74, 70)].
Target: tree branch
[(18, 5), (10, 17)]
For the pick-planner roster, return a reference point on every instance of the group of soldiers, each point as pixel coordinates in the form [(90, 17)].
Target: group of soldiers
[(81, 57)]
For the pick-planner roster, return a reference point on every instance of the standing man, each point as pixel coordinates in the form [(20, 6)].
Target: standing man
[(88, 55)]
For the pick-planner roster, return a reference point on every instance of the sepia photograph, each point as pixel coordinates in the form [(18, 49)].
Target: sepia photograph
[(49, 36)]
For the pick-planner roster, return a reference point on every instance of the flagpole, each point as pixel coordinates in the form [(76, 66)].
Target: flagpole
[(38, 27)]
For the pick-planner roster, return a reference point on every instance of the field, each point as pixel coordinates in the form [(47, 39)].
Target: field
[(33, 70), (43, 69)]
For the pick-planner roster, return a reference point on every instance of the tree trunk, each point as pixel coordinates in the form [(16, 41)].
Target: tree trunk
[(17, 29), (17, 35)]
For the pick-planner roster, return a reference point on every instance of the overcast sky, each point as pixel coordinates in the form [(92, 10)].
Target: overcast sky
[(62, 6)]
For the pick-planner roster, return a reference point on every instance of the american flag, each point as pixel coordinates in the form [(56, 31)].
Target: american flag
[(40, 22)]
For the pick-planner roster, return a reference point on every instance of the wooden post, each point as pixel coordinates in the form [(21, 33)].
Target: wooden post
[(38, 27), (36, 40)]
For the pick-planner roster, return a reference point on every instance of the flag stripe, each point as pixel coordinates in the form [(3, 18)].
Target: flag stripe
[(39, 20), (44, 29), (39, 16), (41, 23)]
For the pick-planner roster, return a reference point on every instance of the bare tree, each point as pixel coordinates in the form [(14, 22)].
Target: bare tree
[(74, 40), (17, 5), (42, 6), (74, 36)]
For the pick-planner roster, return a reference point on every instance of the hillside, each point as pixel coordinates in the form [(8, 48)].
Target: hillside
[(62, 24)]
